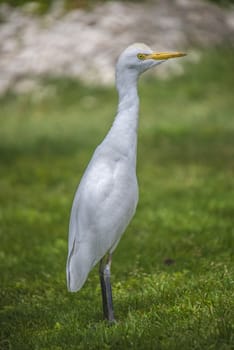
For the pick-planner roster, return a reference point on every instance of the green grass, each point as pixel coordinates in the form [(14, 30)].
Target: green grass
[(185, 216)]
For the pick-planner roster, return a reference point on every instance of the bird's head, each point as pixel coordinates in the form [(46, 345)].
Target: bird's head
[(138, 58)]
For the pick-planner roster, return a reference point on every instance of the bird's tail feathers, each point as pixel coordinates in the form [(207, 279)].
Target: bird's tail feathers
[(78, 267)]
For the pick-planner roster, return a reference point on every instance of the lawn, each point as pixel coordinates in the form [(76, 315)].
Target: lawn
[(173, 269)]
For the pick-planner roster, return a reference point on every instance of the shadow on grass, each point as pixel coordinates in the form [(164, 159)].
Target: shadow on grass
[(42, 147), (183, 148)]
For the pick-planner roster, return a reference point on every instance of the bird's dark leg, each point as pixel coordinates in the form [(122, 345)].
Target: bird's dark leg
[(105, 273)]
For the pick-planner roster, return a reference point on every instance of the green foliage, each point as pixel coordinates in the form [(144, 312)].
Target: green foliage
[(223, 2), (42, 6), (173, 269)]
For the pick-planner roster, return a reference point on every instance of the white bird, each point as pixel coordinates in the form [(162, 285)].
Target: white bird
[(107, 195)]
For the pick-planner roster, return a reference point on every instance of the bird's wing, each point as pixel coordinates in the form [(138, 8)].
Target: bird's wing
[(103, 206), (96, 183)]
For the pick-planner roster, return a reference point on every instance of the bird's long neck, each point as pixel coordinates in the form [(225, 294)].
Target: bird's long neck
[(123, 133)]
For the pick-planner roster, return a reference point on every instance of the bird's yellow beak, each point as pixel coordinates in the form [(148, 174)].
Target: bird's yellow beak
[(160, 55), (165, 55)]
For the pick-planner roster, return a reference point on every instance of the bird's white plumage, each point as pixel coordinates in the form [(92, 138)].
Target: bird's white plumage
[(102, 208), (107, 196)]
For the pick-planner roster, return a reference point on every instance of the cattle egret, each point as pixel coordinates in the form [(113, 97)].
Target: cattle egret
[(107, 195)]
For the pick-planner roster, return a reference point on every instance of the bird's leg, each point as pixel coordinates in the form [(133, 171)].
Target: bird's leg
[(105, 273)]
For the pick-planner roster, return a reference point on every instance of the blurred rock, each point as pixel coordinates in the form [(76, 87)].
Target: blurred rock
[(85, 44)]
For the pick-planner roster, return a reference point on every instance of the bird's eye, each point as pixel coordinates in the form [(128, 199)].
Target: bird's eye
[(141, 56)]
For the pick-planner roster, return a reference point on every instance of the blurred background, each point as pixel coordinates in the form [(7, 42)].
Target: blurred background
[(173, 269), (82, 39)]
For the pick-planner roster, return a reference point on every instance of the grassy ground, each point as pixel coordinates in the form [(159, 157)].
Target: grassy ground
[(173, 269)]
